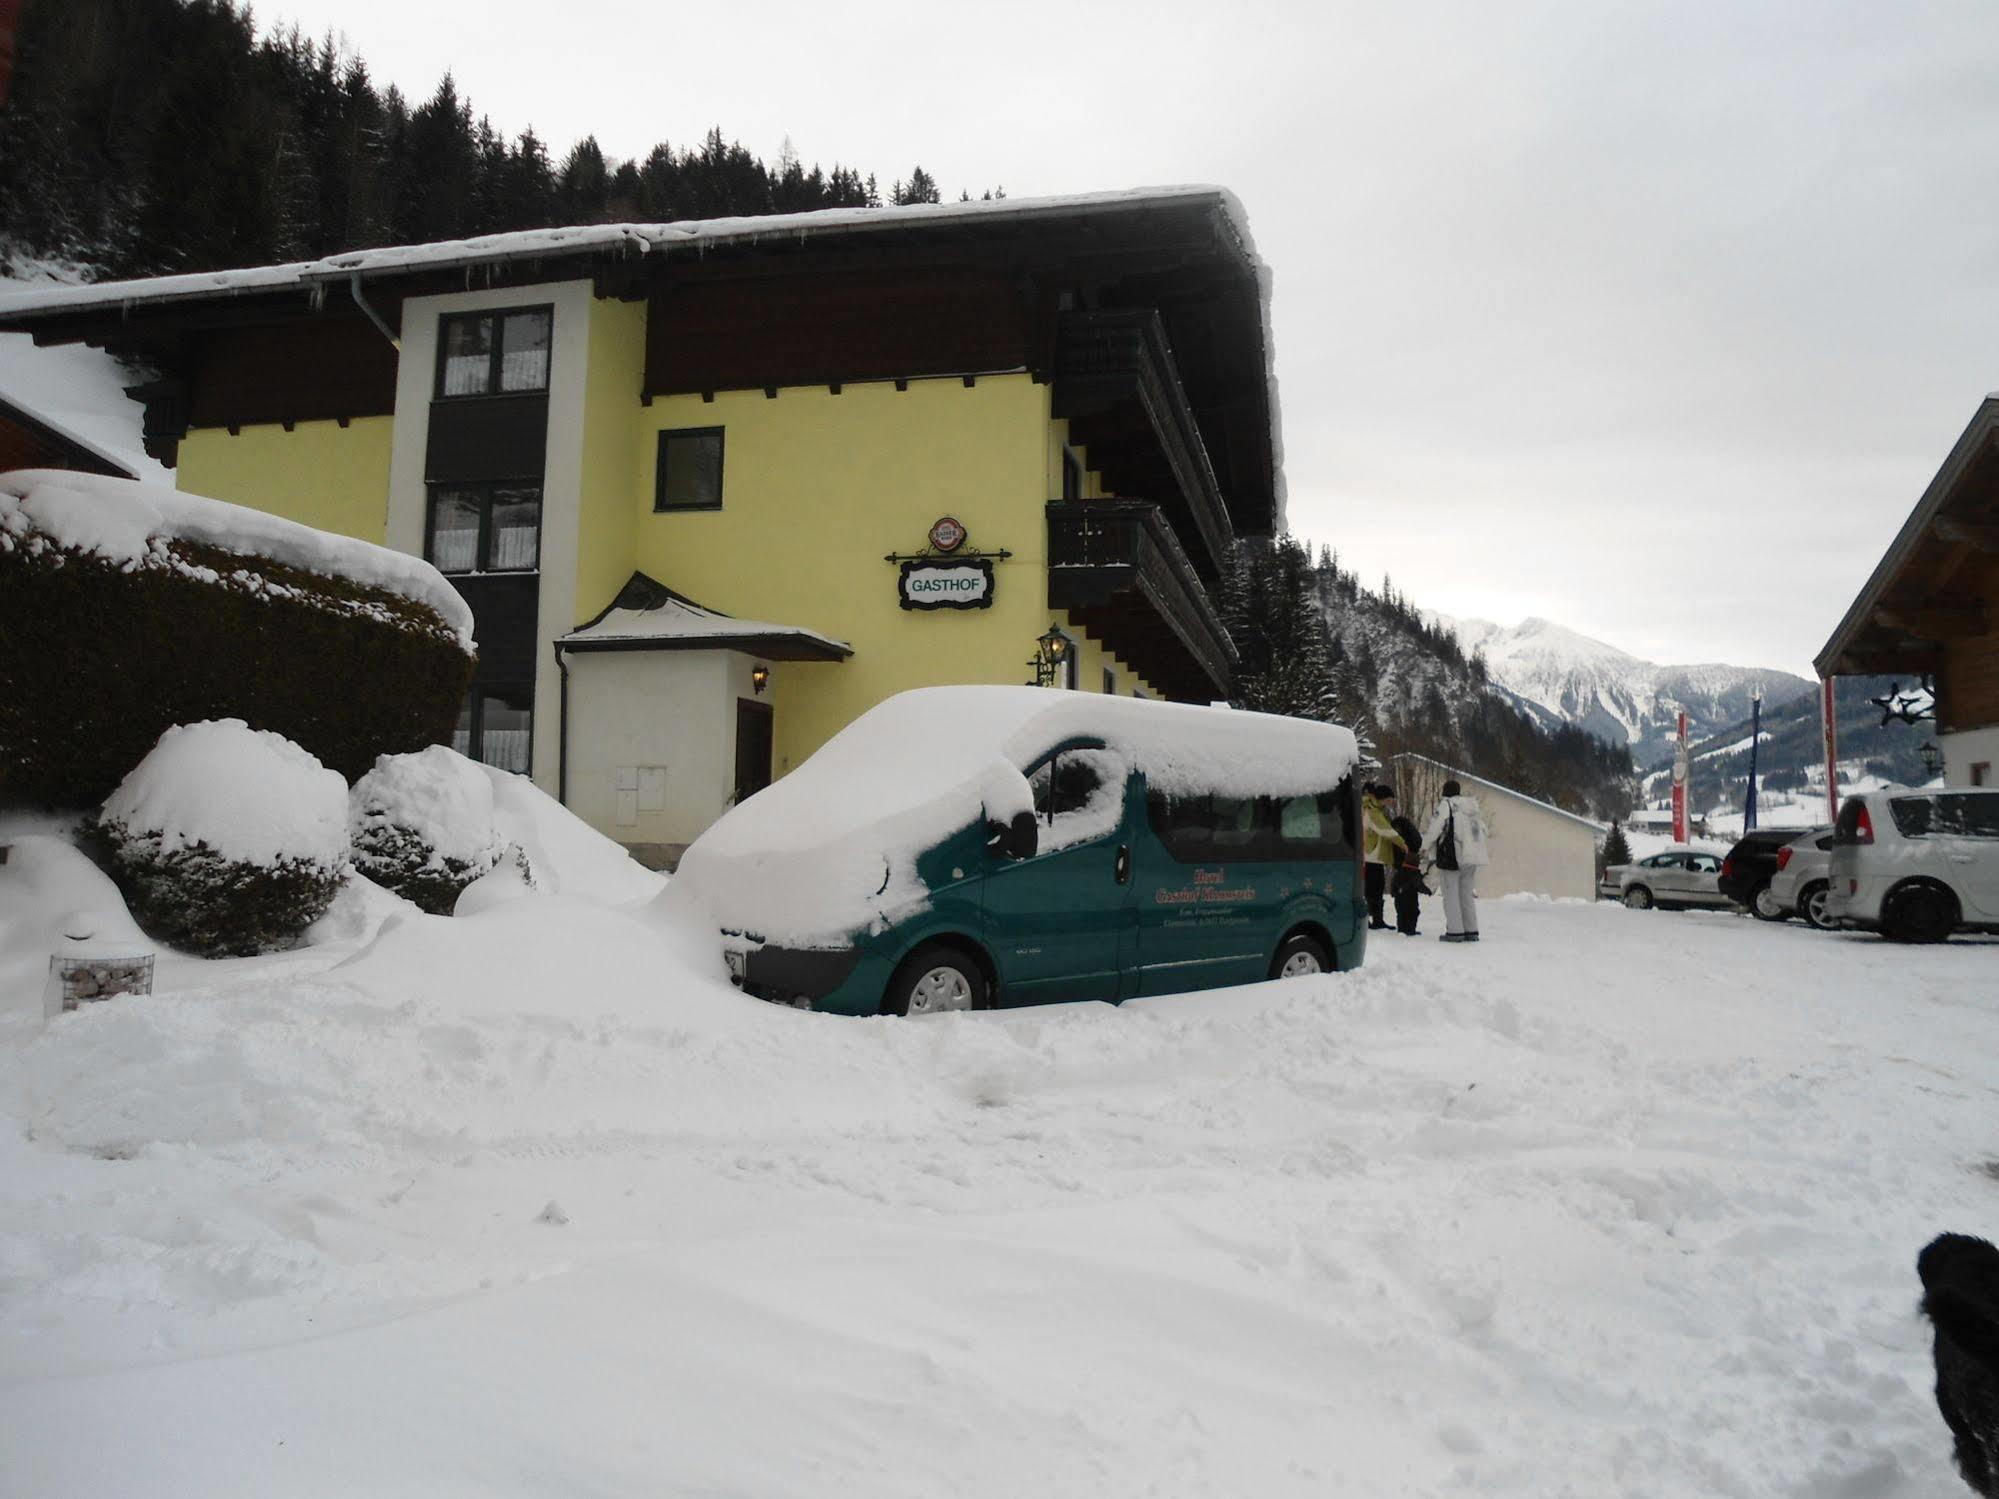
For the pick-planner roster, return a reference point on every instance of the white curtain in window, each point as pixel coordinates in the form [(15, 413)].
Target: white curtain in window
[(524, 369), (506, 749), (513, 547), (465, 374), (456, 551)]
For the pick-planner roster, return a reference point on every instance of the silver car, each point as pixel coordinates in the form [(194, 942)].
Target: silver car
[(1802, 885), (1677, 878), (1918, 865)]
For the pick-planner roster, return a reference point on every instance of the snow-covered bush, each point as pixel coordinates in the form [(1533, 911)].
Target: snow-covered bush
[(422, 826), (226, 840), (126, 608)]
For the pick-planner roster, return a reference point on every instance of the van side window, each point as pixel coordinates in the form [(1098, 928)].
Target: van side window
[(1203, 828), (1078, 795)]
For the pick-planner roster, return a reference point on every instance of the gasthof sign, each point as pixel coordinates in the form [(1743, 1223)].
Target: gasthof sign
[(946, 585)]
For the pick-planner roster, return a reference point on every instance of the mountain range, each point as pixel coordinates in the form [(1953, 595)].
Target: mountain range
[(1561, 676)]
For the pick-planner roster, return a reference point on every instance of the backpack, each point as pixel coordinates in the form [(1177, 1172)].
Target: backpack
[(1447, 846)]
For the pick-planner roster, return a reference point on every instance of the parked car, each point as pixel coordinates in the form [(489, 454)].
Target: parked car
[(1673, 880), (1751, 865), (958, 848), (1916, 866), (1802, 885)]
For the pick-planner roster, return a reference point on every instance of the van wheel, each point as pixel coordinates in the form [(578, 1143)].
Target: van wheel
[(1638, 898), (935, 978), (1764, 904), (1815, 901), (1918, 913), (1299, 956)]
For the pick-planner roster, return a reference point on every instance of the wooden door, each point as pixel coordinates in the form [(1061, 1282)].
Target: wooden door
[(754, 733)]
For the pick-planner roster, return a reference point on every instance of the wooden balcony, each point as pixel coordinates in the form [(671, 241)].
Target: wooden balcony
[(1118, 387), (1120, 572)]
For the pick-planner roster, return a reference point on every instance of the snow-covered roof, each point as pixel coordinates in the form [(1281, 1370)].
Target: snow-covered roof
[(679, 236), (121, 519), (647, 615), (831, 847), (45, 425)]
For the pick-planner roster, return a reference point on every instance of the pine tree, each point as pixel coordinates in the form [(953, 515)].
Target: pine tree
[(1616, 848)]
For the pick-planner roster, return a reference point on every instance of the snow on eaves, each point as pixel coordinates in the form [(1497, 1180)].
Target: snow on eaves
[(635, 239), (123, 519), (674, 620)]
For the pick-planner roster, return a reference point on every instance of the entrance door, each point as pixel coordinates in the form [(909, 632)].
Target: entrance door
[(754, 732)]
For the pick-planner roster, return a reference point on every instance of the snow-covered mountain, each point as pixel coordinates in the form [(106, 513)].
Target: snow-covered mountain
[(1562, 676)]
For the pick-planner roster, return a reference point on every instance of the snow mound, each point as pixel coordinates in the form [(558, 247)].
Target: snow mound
[(125, 520), (832, 846), (45, 885), (438, 795), (252, 796), (565, 854)]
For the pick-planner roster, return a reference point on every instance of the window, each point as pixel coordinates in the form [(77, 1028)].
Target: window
[(493, 353), (1981, 772), (1110, 682), (1078, 796), (1949, 815), (690, 470), (496, 726), (484, 528), (1204, 829)]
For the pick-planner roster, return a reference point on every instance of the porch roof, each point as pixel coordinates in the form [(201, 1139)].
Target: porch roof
[(648, 616)]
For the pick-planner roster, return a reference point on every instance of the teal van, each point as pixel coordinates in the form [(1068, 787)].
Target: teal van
[(968, 847)]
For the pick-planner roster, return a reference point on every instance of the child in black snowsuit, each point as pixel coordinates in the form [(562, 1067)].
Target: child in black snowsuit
[(1406, 884)]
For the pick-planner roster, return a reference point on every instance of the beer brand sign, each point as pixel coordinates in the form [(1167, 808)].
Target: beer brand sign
[(957, 584)]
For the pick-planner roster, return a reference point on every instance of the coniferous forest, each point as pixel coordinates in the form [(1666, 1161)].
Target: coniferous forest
[(154, 136)]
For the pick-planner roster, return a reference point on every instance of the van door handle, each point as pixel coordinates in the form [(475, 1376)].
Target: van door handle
[(1123, 867)]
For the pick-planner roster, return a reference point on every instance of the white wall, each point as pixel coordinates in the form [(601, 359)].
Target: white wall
[(630, 711), (1535, 849), (1962, 751)]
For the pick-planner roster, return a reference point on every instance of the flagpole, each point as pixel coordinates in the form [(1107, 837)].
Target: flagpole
[(1755, 738), (1829, 716)]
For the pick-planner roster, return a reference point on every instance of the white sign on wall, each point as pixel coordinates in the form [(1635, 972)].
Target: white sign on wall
[(946, 585)]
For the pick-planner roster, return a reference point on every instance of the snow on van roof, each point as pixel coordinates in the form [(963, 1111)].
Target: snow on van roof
[(121, 519), (831, 848)]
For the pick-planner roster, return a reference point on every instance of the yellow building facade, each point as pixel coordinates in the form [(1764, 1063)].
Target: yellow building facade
[(655, 643)]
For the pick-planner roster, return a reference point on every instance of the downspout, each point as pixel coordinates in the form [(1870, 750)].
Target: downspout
[(562, 731), (354, 290)]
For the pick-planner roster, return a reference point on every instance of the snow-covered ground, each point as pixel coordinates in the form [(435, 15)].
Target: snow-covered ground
[(530, 1203)]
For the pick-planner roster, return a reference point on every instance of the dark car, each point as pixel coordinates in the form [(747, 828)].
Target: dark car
[(1751, 865)]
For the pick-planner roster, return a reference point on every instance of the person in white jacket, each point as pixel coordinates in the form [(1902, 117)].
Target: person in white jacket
[(1455, 843)]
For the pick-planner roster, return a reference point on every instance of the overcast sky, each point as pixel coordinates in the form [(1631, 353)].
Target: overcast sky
[(1653, 320)]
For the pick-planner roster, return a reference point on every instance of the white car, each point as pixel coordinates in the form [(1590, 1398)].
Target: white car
[(1676, 878), (1918, 865), (1802, 884)]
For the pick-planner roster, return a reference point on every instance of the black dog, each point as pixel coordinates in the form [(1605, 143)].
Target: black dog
[(1961, 1298)]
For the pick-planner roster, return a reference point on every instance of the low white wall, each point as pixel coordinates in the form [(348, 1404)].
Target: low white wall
[(1536, 850), (652, 741), (1964, 750)]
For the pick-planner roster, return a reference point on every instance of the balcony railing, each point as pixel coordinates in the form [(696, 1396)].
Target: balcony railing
[(1117, 567), (1108, 364)]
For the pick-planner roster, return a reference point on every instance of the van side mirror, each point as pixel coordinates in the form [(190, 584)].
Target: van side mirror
[(1018, 839)]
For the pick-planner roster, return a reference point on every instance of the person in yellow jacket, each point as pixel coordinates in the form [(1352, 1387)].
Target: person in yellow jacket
[(1380, 848)]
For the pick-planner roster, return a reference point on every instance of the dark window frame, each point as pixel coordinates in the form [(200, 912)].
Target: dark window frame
[(499, 316), (660, 506), (485, 489), (1264, 841), (475, 733)]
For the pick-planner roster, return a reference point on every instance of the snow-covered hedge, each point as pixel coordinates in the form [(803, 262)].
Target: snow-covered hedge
[(127, 608), (422, 826), (226, 840)]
